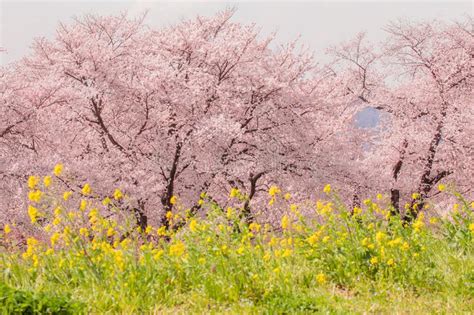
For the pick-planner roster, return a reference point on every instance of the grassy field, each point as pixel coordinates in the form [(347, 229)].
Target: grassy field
[(77, 260)]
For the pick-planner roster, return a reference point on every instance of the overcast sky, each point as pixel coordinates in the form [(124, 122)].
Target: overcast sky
[(320, 24)]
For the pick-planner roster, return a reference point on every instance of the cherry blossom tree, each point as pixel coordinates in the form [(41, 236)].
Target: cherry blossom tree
[(421, 79), (202, 106)]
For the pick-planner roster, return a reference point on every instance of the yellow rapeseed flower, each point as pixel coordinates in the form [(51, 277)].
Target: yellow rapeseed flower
[(415, 196), (110, 231), (327, 189), (32, 213), (287, 196), (321, 278), (173, 200), (374, 260), (54, 238), (86, 190), (83, 205), (47, 181), (58, 169), (274, 190), (380, 236), (117, 194), (418, 225), (35, 195), (67, 195), (32, 182), (157, 254), (285, 222), (379, 196), (84, 231), (441, 187), (106, 201), (254, 227), (471, 228), (193, 225), (234, 192), (148, 229), (177, 249), (6, 229), (390, 262)]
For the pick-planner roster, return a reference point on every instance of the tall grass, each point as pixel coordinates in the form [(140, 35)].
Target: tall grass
[(90, 258)]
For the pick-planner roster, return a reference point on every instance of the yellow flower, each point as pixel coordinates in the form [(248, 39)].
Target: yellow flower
[(254, 227), (357, 210), (161, 231), (327, 189), (67, 195), (35, 195), (58, 169), (169, 215), (471, 228), (84, 232), (234, 192), (229, 213), (193, 225), (177, 249), (285, 222), (321, 278), (7, 229), (405, 246), (56, 221), (173, 200), (32, 182), (200, 202), (390, 262), (86, 190), (395, 242), (365, 242), (273, 191), (433, 220), (32, 213), (106, 201), (415, 196), (157, 254), (313, 239), (287, 196), (380, 236), (379, 197), (54, 238), (417, 225), (148, 230), (441, 187), (47, 181), (83, 205), (110, 232), (117, 194), (374, 260)]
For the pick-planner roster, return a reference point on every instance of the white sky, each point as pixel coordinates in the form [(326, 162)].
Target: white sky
[(320, 24)]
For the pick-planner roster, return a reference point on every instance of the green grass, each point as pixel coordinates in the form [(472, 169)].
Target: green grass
[(324, 262)]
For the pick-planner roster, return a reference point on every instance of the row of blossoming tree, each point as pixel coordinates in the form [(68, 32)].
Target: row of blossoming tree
[(210, 105)]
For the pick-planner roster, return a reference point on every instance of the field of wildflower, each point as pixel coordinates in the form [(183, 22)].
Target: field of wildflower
[(86, 255)]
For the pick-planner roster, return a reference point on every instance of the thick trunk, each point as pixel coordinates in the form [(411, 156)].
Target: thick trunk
[(394, 192), (170, 181), (247, 211), (427, 180)]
